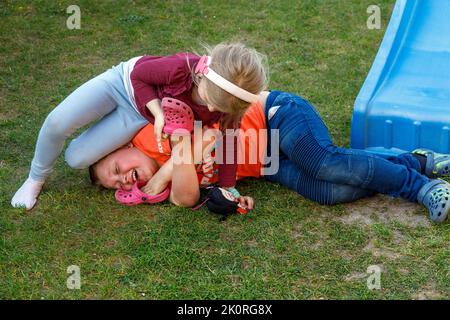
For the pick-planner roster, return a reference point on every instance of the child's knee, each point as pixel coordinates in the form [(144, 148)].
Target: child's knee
[(346, 193), (346, 169), (74, 158)]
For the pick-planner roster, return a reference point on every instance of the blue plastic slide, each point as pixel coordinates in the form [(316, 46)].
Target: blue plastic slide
[(405, 101)]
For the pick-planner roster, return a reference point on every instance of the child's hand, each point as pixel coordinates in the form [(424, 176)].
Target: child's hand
[(155, 108), (159, 126), (247, 202)]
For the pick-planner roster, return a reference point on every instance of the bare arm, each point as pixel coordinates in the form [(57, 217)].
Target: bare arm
[(154, 107), (185, 190)]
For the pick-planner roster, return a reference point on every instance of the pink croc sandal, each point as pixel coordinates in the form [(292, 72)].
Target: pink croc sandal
[(178, 117), (136, 196)]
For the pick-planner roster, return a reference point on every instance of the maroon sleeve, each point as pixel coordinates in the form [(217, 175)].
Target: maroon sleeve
[(150, 74), (228, 168)]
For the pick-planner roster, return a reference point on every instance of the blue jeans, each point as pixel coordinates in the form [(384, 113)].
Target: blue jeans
[(103, 97), (313, 166)]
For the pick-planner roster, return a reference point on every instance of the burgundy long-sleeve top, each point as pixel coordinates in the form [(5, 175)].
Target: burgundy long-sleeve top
[(154, 77)]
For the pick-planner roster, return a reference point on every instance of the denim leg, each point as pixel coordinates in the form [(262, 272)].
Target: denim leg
[(368, 171), (305, 140), (406, 159), (321, 191)]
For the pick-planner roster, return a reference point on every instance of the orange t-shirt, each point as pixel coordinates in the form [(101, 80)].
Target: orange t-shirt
[(252, 143), (145, 141)]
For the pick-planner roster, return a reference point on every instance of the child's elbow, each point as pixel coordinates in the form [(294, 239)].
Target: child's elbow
[(186, 200)]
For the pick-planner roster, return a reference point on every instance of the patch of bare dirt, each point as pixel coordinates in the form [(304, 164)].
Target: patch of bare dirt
[(428, 293), (355, 276), (10, 114), (381, 208), (358, 276), (398, 237), (296, 231), (251, 243), (235, 280), (381, 252), (403, 271), (346, 254)]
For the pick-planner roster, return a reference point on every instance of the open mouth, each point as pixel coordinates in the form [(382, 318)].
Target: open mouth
[(132, 176)]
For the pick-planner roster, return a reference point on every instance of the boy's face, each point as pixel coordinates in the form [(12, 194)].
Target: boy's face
[(123, 167)]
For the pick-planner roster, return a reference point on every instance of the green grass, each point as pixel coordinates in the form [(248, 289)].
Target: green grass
[(289, 248)]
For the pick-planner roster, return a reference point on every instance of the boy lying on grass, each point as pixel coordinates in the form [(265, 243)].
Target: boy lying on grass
[(308, 162)]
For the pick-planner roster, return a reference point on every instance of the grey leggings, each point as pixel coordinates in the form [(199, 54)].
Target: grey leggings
[(102, 98)]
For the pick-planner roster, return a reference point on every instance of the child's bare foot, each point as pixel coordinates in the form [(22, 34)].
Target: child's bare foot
[(27, 194)]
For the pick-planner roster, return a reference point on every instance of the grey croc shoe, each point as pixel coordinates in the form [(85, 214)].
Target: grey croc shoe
[(435, 196), (438, 164)]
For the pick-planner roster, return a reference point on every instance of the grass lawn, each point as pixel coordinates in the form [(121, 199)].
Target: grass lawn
[(290, 248)]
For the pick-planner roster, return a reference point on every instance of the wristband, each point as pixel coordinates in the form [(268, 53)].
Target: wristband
[(234, 192)]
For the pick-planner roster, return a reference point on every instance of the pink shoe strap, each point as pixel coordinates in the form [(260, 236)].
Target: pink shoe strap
[(136, 196)]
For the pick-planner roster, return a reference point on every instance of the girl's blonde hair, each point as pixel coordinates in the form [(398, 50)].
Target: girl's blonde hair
[(241, 65)]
